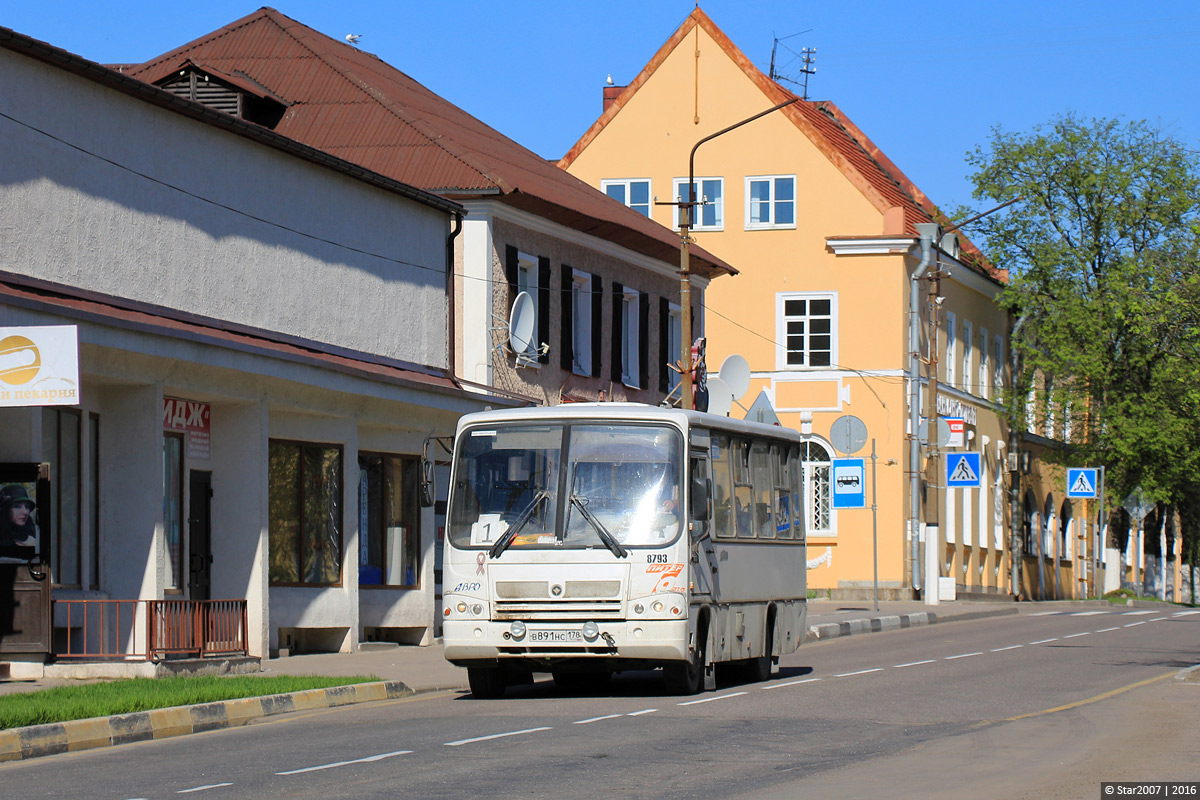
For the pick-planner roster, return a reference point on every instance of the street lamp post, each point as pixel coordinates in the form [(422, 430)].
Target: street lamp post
[(686, 209)]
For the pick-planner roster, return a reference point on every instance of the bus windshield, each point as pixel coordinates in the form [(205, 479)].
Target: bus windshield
[(575, 485)]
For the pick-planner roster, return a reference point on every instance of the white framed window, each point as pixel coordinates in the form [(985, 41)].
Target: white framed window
[(806, 325), (634, 193), (770, 202), (985, 377), (951, 350), (998, 365), (581, 323), (968, 338), (816, 472), (709, 213), (631, 367), (674, 343)]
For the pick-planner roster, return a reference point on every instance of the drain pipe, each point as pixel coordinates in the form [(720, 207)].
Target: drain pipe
[(927, 232), (1014, 478)]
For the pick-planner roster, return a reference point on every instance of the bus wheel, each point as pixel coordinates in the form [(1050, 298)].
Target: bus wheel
[(487, 683), (686, 677)]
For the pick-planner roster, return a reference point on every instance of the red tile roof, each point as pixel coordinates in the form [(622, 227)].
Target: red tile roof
[(351, 104), (825, 125)]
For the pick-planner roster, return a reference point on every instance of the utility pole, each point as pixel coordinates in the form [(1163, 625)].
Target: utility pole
[(686, 209)]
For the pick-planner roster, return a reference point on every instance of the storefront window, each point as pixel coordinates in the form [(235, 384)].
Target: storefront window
[(389, 521), (305, 490), (173, 507)]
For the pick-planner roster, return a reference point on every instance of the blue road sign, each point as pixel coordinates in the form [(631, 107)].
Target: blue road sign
[(1081, 482), (849, 484), (962, 471)]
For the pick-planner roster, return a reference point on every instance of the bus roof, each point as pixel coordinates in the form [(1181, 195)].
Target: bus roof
[(631, 412)]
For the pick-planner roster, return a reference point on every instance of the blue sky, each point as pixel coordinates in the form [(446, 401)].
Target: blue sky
[(926, 81)]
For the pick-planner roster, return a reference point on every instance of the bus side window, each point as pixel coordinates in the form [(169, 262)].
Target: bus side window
[(722, 479), (743, 490), (781, 468), (764, 490)]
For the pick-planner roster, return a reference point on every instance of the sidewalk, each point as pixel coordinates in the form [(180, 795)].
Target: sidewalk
[(405, 671)]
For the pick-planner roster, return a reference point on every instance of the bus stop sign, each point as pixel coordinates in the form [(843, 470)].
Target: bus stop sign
[(849, 484)]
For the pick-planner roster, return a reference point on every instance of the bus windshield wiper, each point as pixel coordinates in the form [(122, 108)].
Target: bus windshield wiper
[(511, 534), (609, 540)]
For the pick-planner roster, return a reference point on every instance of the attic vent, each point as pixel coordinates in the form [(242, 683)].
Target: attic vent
[(200, 88)]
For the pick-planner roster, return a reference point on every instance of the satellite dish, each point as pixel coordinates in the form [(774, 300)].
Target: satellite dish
[(720, 399), (735, 372), (521, 321)]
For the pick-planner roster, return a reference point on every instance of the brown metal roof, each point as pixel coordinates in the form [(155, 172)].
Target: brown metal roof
[(21, 291), (353, 105), (826, 125)]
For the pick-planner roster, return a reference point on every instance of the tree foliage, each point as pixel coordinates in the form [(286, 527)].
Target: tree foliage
[(1102, 251)]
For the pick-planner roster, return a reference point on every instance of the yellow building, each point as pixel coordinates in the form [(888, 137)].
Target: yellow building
[(827, 232)]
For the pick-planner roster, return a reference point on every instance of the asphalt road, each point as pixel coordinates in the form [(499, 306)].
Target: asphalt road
[(1031, 705)]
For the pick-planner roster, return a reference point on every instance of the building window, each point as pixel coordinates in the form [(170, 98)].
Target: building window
[(173, 509), (771, 202), (61, 434), (634, 194), (951, 350), (806, 324), (816, 469), (998, 365), (709, 213), (968, 336), (389, 521), (630, 339), (581, 323), (304, 485), (985, 377)]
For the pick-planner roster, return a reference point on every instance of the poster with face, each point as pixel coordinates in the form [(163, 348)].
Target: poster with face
[(22, 518)]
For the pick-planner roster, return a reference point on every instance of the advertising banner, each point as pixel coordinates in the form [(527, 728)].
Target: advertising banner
[(39, 366)]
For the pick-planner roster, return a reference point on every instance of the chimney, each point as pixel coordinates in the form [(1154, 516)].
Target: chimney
[(611, 93)]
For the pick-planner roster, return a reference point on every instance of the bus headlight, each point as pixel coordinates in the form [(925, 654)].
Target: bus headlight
[(591, 631), (638, 608), (517, 629), (658, 606)]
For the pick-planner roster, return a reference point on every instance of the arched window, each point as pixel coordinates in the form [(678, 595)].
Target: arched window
[(1066, 530), (818, 497)]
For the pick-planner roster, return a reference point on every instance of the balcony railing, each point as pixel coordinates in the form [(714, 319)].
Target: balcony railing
[(149, 630)]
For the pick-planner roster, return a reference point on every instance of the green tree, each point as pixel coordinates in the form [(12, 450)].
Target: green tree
[(1102, 252)]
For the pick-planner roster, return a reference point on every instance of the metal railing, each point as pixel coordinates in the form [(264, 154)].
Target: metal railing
[(148, 630)]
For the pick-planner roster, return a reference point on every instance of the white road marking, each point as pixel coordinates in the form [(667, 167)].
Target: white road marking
[(962, 655), (1184, 613), (1073, 635), (202, 788), (364, 760), (644, 711), (710, 699), (495, 736), (1043, 641), (1106, 630), (1010, 647), (1158, 619), (1087, 613), (913, 664), (1139, 622), (596, 719), (790, 683), (1045, 613), (860, 672), (1136, 613)]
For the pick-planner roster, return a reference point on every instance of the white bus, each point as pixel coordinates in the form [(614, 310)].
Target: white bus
[(586, 539)]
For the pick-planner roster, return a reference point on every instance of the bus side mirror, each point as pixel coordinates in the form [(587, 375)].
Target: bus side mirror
[(428, 487), (699, 499)]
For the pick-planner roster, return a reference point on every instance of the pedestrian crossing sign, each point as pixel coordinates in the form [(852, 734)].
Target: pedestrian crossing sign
[(963, 471), (1081, 482)]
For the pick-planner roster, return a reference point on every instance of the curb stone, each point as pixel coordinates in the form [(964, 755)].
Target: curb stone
[(160, 723), (833, 630)]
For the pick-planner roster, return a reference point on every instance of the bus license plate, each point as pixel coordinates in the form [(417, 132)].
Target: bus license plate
[(555, 636)]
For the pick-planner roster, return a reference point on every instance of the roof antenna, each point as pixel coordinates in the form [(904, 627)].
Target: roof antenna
[(807, 56)]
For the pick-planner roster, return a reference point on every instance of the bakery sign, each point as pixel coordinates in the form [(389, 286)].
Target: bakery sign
[(39, 366)]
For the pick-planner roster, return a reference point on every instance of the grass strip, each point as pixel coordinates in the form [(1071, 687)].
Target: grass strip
[(124, 696)]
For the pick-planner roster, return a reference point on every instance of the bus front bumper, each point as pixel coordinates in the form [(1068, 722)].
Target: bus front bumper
[(649, 642)]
